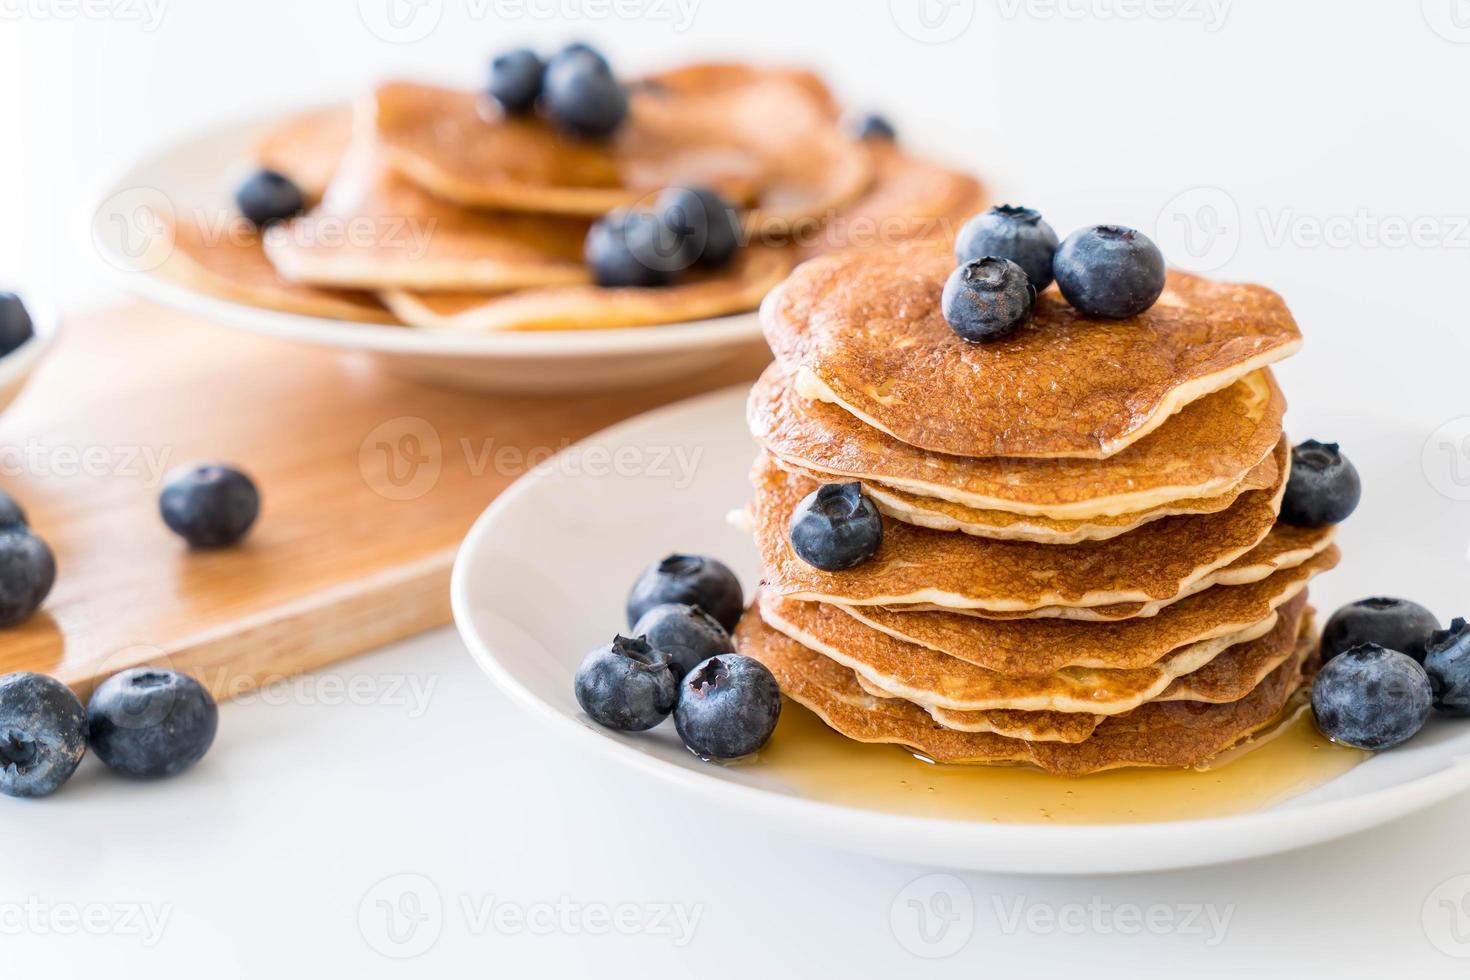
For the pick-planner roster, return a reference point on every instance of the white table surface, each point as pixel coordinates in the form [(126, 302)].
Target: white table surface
[(1259, 129)]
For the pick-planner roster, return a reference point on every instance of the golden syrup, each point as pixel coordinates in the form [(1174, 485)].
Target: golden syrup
[(1279, 763)]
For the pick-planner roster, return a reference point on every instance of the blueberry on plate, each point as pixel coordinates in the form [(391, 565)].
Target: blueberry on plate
[(987, 299), (515, 79), (633, 248), (1109, 271), (1323, 487), (27, 572), (695, 580), (872, 126), (1447, 662), (626, 685), (1014, 233), (15, 323), (836, 527), (1371, 697), (1397, 624), (684, 634), (42, 734), (268, 196), (209, 505), (703, 221), (11, 512), (728, 707), (582, 97), (147, 722)]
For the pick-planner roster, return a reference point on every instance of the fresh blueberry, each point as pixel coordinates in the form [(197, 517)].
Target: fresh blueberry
[(705, 222), (871, 126), (1109, 271), (27, 572), (696, 580), (627, 685), (1014, 233), (987, 299), (11, 512), (1371, 697), (15, 323), (1397, 624), (633, 248), (515, 79), (728, 707), (147, 722), (209, 505), (684, 634), (267, 196), (580, 51), (582, 97), (1323, 487), (1447, 662), (42, 734), (836, 527)]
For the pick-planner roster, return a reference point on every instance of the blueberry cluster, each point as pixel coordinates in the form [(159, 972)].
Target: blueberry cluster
[(1008, 254), (145, 723), (681, 661), (685, 228), (1386, 665), (576, 89)]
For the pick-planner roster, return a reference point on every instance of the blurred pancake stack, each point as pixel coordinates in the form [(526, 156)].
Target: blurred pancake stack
[(1081, 564)]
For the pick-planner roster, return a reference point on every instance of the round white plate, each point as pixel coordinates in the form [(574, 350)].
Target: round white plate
[(542, 577), (201, 172)]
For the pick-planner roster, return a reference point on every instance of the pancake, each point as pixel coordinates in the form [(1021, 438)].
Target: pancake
[(308, 148), (1032, 726), (917, 674), (1171, 733), (1159, 561), (864, 331), (1038, 647), (766, 142), (1204, 451), (737, 288), (229, 262)]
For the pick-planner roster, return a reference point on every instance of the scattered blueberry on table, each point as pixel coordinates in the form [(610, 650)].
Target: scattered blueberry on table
[(267, 196), (1109, 271), (1323, 487), (515, 79), (686, 635), (987, 299), (16, 326), (1371, 697), (728, 707), (1447, 662), (147, 722), (626, 685), (836, 527), (209, 505), (27, 573), (1010, 232), (42, 734), (696, 580), (1397, 624)]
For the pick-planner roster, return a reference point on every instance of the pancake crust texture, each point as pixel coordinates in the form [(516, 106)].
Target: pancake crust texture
[(308, 148)]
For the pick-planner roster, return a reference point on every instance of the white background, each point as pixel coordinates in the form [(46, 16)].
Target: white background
[(1298, 144)]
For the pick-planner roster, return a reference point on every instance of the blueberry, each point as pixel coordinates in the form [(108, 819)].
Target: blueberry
[(1109, 271), (633, 248), (1397, 624), (15, 323), (148, 722), (582, 97), (871, 126), (693, 579), (209, 505), (11, 512), (27, 572), (1447, 662), (1014, 233), (703, 221), (836, 527), (267, 196), (515, 79), (987, 299), (580, 51), (42, 734), (728, 707), (1323, 487), (684, 634), (627, 685), (1371, 697)]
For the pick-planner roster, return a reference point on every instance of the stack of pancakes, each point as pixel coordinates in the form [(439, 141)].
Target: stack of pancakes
[(434, 209), (1081, 564)]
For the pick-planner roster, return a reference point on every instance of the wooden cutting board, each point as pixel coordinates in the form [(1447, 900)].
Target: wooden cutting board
[(368, 481)]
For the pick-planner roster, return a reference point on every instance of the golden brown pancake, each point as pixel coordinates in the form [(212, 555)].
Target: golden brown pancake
[(737, 288), (1033, 726), (865, 332), (1206, 450), (1169, 733), (308, 148), (1158, 561)]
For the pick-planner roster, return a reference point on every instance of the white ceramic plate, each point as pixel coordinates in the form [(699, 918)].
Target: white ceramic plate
[(202, 172), (542, 578)]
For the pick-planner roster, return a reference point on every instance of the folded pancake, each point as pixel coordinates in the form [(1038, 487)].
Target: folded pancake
[(308, 148), (1205, 451), (864, 331)]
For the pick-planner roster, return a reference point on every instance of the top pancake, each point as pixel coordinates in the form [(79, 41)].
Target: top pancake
[(865, 331), (308, 148)]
